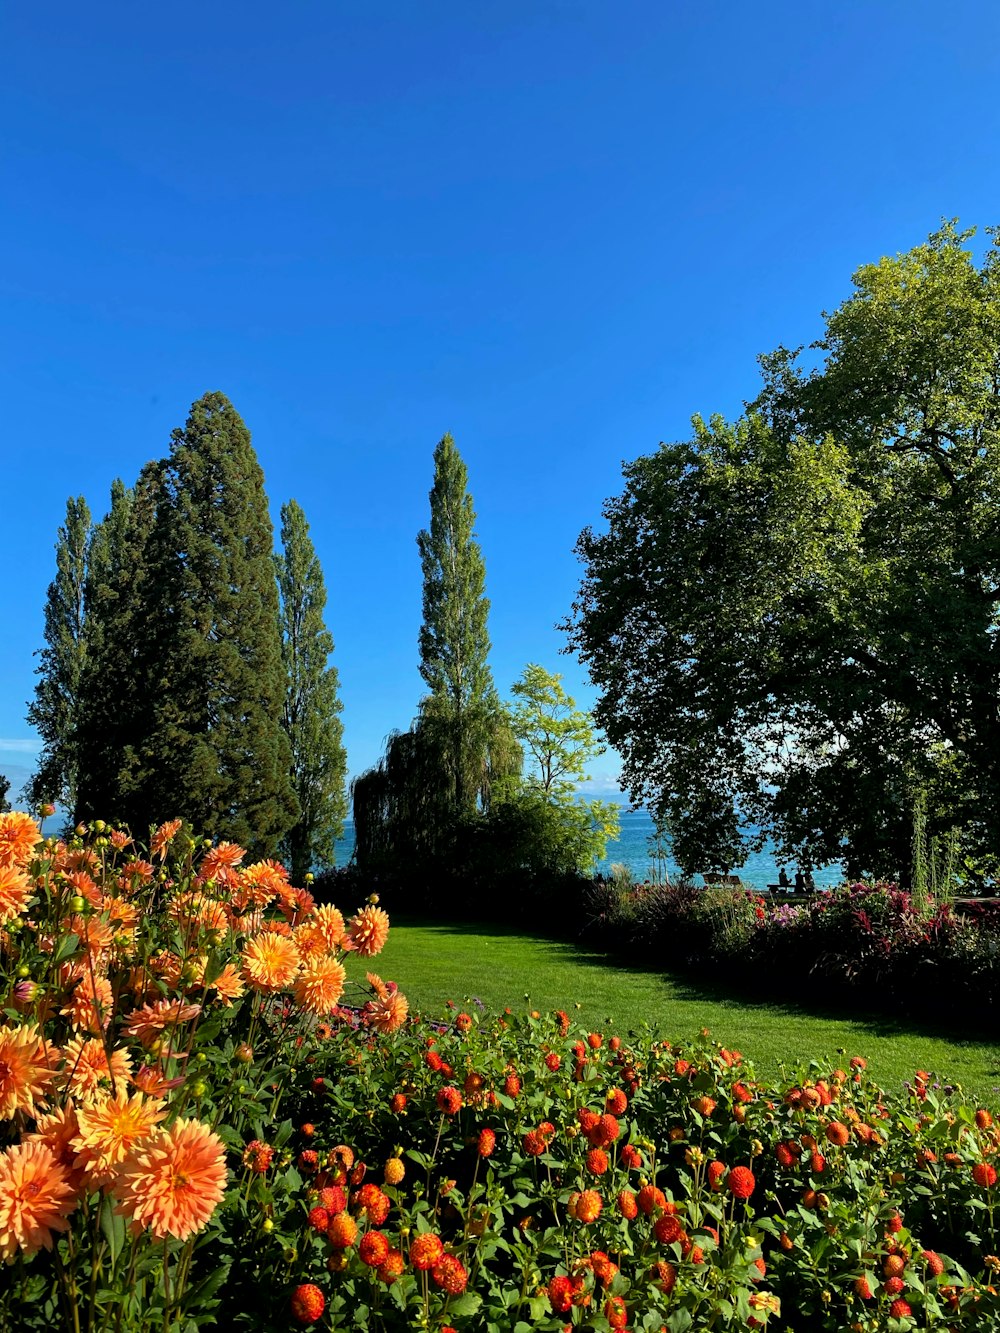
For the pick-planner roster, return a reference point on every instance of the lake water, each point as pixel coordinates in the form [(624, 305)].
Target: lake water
[(633, 847)]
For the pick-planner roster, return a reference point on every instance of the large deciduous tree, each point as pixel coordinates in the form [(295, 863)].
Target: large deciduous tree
[(792, 619), (55, 707), (558, 741), (312, 703)]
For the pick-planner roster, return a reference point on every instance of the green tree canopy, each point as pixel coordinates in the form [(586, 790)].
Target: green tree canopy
[(184, 702), (312, 702), (792, 618), (558, 740)]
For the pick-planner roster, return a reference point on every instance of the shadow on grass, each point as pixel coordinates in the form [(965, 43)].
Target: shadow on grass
[(684, 987)]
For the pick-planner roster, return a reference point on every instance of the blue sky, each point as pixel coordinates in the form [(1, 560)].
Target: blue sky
[(556, 229)]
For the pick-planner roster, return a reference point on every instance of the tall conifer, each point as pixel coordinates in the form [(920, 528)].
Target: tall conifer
[(53, 712), (312, 704), (190, 696), (115, 718)]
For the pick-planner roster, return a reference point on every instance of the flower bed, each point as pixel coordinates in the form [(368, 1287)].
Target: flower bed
[(873, 946), (194, 1129)]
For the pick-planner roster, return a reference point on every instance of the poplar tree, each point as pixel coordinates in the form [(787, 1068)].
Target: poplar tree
[(312, 705), (53, 712), (462, 706)]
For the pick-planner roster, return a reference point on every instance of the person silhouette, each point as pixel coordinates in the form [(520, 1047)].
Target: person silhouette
[(783, 881)]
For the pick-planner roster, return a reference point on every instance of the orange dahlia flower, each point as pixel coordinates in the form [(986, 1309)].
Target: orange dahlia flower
[(387, 1015), (35, 1199), (15, 890), (173, 1182), (163, 837), (270, 962), (88, 1071), (25, 1070), (319, 986), (108, 1130), (19, 836), (152, 1020), (368, 931)]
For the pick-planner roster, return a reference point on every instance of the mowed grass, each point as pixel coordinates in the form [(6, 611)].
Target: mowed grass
[(433, 963)]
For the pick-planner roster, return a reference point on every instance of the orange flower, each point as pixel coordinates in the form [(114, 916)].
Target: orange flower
[(110, 1129), (152, 1020), (310, 941), (35, 1199), (173, 1182), (331, 922), (89, 1073), (15, 890), (270, 962), (219, 861), (227, 985), (377, 985), (25, 1070), (58, 1133), (163, 837), (19, 836), (89, 1006), (387, 1015), (368, 931), (318, 987)]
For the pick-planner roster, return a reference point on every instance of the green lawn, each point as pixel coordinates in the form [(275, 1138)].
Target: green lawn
[(439, 962)]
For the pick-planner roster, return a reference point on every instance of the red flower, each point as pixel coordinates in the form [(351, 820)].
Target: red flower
[(398, 1103), (863, 1288), (630, 1156), (560, 1293), (900, 1310), (597, 1161), (374, 1248), (651, 1197), (308, 1303), (741, 1182), (616, 1103), (595, 1041), (319, 1220), (487, 1142), (450, 1274), (933, 1261), (426, 1250), (512, 1085), (588, 1206), (668, 1230), (615, 1312), (449, 1100), (553, 1062), (984, 1175), (716, 1170), (627, 1205)]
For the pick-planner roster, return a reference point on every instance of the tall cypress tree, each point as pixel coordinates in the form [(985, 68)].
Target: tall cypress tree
[(54, 709), (116, 712), (312, 704), (462, 705)]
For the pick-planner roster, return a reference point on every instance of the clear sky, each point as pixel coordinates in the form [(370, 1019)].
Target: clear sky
[(555, 228)]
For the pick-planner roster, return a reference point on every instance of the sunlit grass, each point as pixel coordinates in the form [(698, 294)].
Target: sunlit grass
[(436, 962)]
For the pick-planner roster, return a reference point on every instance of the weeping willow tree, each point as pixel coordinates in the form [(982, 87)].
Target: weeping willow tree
[(404, 807)]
